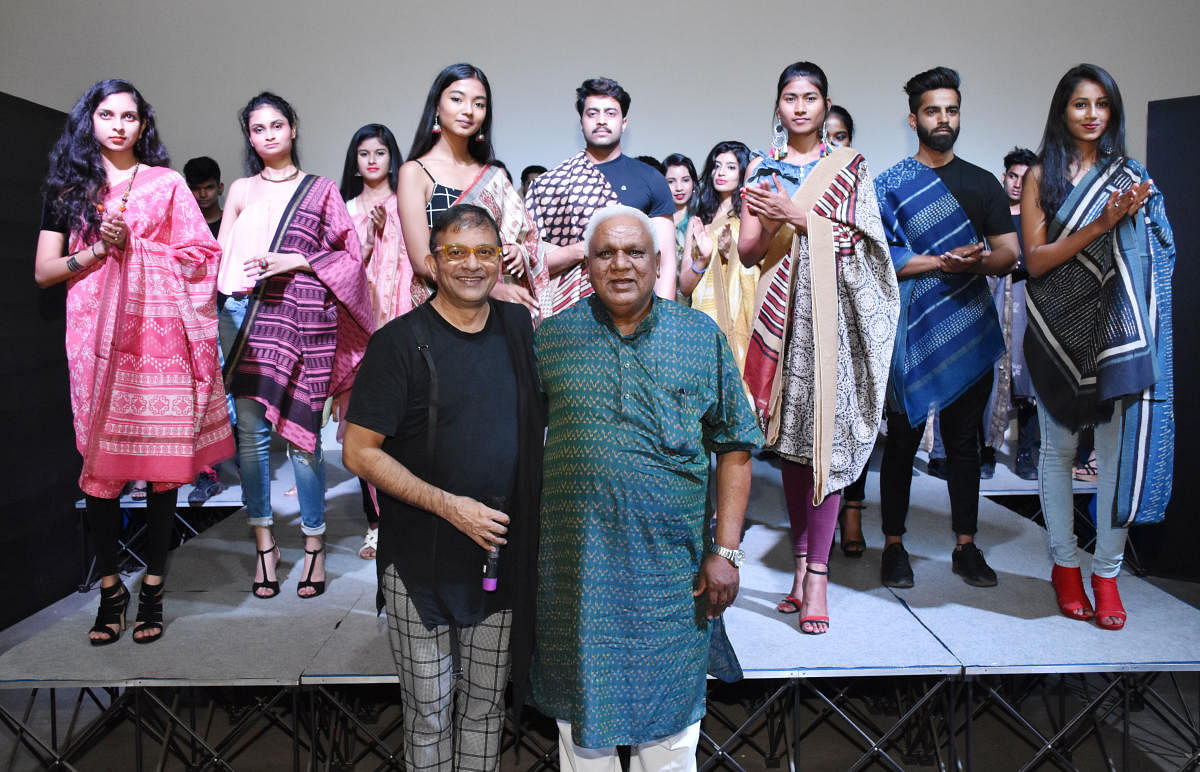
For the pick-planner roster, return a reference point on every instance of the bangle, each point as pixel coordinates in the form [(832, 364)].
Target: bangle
[(73, 265), (98, 258), (701, 271)]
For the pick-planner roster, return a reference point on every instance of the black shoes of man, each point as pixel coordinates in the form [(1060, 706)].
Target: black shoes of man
[(895, 570)]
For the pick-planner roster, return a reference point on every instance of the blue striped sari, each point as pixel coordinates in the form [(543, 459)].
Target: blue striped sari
[(949, 335), (1100, 336)]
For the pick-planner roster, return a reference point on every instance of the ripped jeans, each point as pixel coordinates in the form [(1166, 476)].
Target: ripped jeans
[(254, 455)]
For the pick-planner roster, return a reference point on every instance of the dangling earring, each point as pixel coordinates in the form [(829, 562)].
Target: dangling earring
[(357, 173), (778, 138), (824, 135), (437, 128), (480, 137)]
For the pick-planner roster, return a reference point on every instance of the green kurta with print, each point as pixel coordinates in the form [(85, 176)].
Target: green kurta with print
[(621, 643)]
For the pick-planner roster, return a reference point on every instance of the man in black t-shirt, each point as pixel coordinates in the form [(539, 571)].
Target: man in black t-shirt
[(446, 421), (563, 199), (955, 374)]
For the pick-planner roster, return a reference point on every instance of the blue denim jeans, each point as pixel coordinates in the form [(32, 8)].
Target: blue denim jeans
[(254, 454), (1059, 449)]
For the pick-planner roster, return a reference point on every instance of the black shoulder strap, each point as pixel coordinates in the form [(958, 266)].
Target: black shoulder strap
[(421, 333)]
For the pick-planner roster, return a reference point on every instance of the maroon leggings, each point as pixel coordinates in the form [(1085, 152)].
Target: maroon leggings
[(812, 527)]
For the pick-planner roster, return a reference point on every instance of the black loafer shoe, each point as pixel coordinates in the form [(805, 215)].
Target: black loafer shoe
[(968, 563), (894, 568)]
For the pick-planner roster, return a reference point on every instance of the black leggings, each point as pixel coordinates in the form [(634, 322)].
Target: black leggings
[(104, 521), (960, 434)]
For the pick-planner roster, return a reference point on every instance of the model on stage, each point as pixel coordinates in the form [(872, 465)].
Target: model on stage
[(1098, 344), (711, 275), (124, 232), (450, 163), (685, 189), (296, 324), (818, 357), (369, 189)]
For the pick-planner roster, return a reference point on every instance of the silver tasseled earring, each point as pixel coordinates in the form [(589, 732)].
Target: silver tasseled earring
[(824, 135), (779, 138)]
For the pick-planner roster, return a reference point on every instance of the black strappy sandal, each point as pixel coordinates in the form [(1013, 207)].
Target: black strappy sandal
[(854, 548), (113, 603), (150, 613), (317, 587), (265, 584)]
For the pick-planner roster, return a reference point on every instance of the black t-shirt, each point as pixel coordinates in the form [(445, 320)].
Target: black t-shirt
[(639, 185), (980, 195), (475, 456)]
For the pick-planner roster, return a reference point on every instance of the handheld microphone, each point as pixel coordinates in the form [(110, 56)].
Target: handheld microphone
[(491, 566)]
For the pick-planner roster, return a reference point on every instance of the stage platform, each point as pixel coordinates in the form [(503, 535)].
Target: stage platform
[(942, 632)]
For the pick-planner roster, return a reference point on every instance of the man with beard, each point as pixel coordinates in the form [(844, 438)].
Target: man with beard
[(936, 208), (563, 199)]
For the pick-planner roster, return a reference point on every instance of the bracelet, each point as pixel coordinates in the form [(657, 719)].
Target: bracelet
[(700, 272), (98, 258), (73, 265)]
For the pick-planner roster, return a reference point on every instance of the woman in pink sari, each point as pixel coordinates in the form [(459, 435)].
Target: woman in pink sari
[(369, 188), (124, 232), (451, 163)]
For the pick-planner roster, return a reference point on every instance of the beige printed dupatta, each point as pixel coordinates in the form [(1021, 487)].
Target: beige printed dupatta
[(834, 197)]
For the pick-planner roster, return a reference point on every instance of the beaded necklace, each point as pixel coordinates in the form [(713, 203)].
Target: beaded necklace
[(125, 198)]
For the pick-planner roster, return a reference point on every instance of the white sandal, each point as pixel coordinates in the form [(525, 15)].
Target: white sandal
[(370, 542)]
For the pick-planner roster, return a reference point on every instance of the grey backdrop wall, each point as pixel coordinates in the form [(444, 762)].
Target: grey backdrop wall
[(699, 71)]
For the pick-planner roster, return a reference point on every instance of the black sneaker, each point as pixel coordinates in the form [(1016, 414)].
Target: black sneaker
[(1025, 467), (987, 463), (206, 486), (968, 563), (937, 468), (894, 568)]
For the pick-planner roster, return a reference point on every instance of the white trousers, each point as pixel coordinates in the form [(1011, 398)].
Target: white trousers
[(676, 753)]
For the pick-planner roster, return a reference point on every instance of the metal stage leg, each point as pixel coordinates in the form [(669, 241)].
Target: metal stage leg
[(873, 741), (1122, 692), (763, 715)]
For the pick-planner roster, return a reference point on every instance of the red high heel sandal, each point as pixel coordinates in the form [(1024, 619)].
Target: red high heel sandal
[(1108, 602), (1068, 586)]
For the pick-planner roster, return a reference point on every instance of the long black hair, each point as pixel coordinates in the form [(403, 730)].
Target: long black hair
[(679, 159), (1059, 150), (352, 181), (480, 146), (76, 178), (710, 199), (254, 164)]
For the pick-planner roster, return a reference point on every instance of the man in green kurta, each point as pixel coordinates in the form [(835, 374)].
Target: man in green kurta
[(641, 390)]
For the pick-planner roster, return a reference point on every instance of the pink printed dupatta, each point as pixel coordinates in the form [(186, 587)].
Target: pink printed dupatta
[(141, 340)]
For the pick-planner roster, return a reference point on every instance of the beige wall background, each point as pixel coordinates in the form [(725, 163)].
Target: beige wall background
[(699, 72)]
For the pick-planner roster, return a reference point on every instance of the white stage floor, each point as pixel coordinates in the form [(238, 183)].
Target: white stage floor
[(217, 633)]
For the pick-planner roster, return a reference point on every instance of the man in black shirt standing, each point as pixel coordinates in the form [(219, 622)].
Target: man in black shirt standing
[(563, 199), (937, 209), (446, 421)]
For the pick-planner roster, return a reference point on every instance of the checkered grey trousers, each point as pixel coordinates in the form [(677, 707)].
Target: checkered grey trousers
[(436, 735)]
